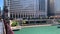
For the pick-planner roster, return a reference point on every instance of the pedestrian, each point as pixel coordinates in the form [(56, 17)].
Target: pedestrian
[(7, 26)]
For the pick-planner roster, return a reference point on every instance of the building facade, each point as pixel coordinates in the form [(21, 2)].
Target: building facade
[(53, 7), (26, 8), (0, 10), (57, 7), (50, 8)]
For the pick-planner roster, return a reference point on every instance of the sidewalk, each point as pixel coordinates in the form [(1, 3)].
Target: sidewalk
[(36, 25), (1, 28)]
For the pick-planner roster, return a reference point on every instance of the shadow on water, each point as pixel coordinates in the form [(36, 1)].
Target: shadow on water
[(16, 30)]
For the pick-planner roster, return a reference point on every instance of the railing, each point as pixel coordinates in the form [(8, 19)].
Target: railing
[(37, 19)]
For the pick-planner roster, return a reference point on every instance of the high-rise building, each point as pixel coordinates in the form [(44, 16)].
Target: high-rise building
[(26, 8), (50, 8), (0, 10), (57, 7), (53, 7)]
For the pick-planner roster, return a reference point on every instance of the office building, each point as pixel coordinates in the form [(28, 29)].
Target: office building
[(0, 10), (26, 8), (51, 9), (57, 7)]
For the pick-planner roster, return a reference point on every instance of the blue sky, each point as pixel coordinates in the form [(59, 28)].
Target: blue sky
[(1, 4)]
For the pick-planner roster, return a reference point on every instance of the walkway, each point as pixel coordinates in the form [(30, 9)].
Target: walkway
[(36, 25), (1, 28)]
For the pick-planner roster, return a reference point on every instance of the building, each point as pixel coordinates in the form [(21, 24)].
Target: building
[(26, 8), (51, 9), (57, 7), (0, 11)]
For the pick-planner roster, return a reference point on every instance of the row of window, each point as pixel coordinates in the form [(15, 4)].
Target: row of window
[(20, 16), (25, 16)]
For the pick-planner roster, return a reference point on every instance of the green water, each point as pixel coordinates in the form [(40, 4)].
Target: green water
[(39, 30)]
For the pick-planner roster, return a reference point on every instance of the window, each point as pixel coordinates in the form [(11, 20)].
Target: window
[(42, 5), (13, 15), (8, 0), (10, 15), (19, 15)]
